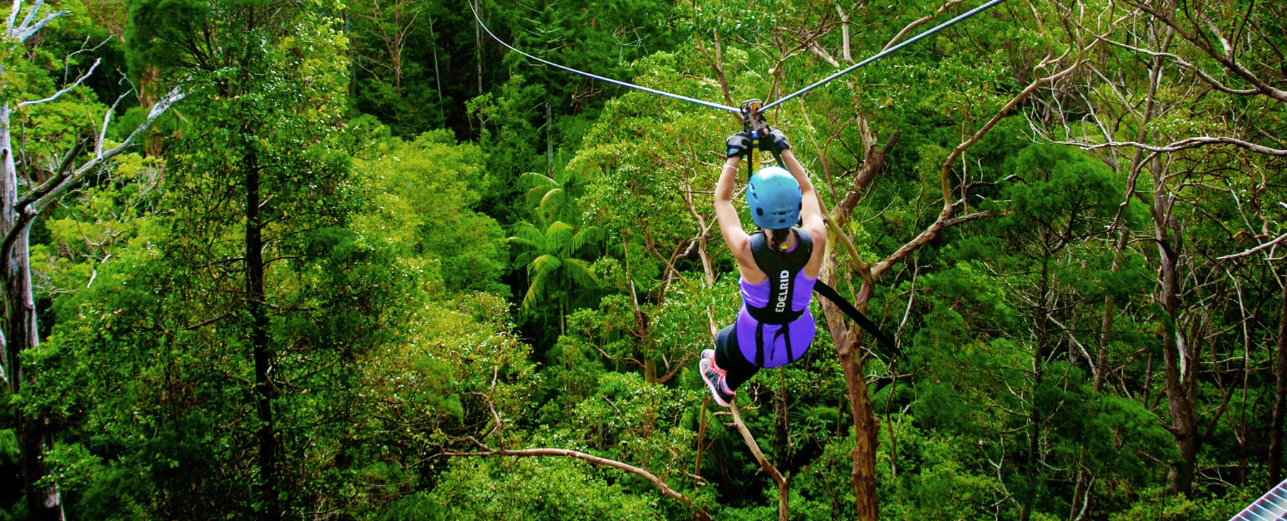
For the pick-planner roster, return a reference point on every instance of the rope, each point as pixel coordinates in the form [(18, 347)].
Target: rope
[(883, 53), (601, 78)]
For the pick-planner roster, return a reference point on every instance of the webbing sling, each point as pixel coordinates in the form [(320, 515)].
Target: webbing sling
[(830, 293), (753, 123)]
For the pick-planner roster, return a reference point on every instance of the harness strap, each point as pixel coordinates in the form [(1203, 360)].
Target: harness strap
[(830, 293)]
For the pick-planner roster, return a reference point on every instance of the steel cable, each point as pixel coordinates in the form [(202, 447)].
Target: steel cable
[(883, 53), (601, 78)]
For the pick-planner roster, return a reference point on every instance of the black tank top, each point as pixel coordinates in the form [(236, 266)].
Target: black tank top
[(781, 268)]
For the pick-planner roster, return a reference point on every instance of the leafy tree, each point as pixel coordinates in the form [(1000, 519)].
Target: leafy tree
[(68, 139), (269, 194), (439, 184), (555, 261)]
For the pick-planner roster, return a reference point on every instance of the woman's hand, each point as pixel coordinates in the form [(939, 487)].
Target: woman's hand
[(779, 140), (738, 145)]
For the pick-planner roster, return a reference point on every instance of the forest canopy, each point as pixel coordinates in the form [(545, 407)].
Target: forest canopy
[(310, 259)]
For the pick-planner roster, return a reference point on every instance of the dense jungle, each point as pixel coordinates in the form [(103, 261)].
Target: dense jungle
[(306, 259)]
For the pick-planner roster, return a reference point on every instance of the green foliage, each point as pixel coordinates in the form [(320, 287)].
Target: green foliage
[(1156, 503), (528, 259), (432, 185), (9, 447), (537, 489), (414, 507)]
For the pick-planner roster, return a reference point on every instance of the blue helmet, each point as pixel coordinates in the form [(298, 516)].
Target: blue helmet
[(774, 197)]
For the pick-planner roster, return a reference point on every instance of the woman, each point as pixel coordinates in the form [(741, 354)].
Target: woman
[(779, 265)]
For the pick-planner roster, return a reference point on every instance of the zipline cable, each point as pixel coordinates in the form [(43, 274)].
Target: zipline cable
[(601, 78), (788, 97), (883, 53)]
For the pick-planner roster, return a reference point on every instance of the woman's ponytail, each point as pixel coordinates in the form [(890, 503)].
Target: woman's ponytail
[(778, 239)]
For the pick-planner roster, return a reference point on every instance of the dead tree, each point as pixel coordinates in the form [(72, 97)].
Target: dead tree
[(21, 202)]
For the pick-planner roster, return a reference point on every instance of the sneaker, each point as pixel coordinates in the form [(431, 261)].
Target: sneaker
[(715, 380)]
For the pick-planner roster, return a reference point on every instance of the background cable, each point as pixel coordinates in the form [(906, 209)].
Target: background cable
[(601, 78), (884, 53)]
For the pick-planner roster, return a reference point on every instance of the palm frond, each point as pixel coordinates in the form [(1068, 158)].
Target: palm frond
[(558, 235), (521, 241), (537, 179), (551, 198), (538, 185), (565, 177), (527, 249), (587, 235), (581, 273), (527, 234), (543, 264), (533, 197), (535, 289)]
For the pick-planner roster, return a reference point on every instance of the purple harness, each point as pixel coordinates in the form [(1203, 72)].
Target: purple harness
[(774, 326)]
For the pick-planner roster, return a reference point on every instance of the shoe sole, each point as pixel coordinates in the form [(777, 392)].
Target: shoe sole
[(711, 387)]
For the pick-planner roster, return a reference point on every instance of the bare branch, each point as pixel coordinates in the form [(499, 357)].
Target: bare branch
[(69, 88), (675, 370), (107, 120), (1215, 84), (755, 448), (844, 33), (945, 175), (52, 193), (24, 34), (970, 217), (823, 54), (26, 21), (13, 15), (1226, 59), (24, 217), (159, 108), (919, 22), (1253, 251), (1193, 142), (520, 453), (764, 462)]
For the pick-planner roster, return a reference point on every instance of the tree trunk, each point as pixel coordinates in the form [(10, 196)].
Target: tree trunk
[(847, 340), (1280, 397), (257, 307), (1031, 463), (1079, 489), (1148, 382), (784, 497), (20, 334), (478, 43), (1183, 420), (549, 137), (149, 92), (437, 80), (844, 34), (781, 452), (1106, 325), (650, 370)]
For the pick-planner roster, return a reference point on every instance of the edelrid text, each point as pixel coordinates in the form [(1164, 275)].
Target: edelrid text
[(784, 282)]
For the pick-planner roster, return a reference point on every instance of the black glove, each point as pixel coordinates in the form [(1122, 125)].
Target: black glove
[(778, 139), (738, 144)]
